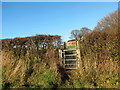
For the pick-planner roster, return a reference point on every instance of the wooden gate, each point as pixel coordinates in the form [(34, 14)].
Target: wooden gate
[(70, 59), (71, 55)]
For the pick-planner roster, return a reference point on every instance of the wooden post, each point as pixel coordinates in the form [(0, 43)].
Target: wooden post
[(64, 45), (60, 53), (79, 55), (61, 56)]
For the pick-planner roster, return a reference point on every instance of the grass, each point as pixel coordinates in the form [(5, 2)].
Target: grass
[(48, 79)]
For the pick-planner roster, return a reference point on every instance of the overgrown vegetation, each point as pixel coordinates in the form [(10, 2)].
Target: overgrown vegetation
[(100, 56), (33, 62)]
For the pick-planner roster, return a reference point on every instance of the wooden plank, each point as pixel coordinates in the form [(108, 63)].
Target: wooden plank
[(70, 59), (70, 64), (71, 68), (71, 55), (70, 50)]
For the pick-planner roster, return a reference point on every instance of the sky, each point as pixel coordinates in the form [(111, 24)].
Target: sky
[(22, 19)]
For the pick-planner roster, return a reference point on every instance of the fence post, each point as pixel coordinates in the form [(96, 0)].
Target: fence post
[(60, 53), (64, 45), (79, 55)]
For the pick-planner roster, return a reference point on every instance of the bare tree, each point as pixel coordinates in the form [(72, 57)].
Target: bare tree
[(74, 34), (78, 34), (83, 31), (109, 22)]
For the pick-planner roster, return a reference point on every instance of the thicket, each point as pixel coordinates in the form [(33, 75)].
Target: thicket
[(100, 56), (31, 61), (100, 61)]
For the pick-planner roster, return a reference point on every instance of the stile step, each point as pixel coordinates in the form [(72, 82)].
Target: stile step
[(70, 50), (71, 55), (70, 64), (71, 68), (70, 59)]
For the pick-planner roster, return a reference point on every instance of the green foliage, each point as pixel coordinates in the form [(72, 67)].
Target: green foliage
[(71, 47), (45, 78), (37, 59)]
